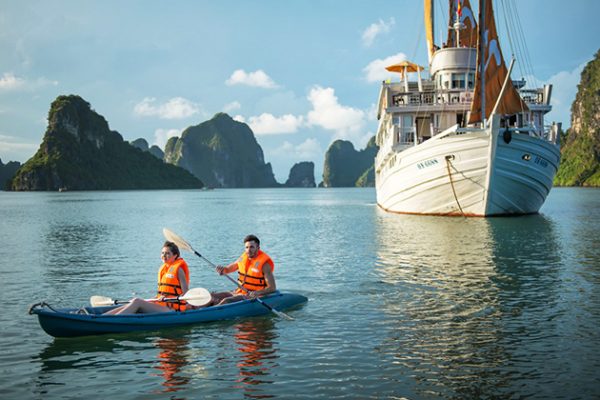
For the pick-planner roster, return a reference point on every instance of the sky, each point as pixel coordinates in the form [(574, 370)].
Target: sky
[(300, 73)]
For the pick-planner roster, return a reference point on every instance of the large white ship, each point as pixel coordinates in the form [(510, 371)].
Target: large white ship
[(439, 154)]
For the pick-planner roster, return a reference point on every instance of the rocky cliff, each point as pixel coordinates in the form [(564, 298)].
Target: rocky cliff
[(142, 144), (345, 166), (302, 174), (580, 152), (222, 153), (7, 171), (80, 152)]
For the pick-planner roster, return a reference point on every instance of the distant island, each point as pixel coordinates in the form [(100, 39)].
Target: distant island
[(302, 175), (222, 153), (346, 167), (142, 144), (80, 152), (7, 172)]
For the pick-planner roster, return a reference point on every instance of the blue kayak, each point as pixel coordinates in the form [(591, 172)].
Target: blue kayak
[(69, 322)]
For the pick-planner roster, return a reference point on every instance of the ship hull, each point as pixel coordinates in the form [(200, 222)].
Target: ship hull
[(472, 173)]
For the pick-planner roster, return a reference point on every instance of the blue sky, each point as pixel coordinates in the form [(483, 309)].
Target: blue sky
[(301, 73)]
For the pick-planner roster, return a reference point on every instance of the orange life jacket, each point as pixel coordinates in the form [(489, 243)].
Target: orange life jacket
[(250, 271), (169, 285)]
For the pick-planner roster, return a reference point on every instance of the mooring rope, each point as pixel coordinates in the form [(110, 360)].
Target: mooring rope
[(448, 163)]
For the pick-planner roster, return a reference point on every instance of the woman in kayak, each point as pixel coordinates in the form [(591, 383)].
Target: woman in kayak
[(173, 281), (255, 274)]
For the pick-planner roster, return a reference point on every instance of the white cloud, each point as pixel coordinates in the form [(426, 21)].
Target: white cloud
[(257, 79), (234, 105), (161, 136), (376, 72), (15, 149), (175, 108), (375, 29), (10, 81), (268, 124), (310, 148), (372, 112), (564, 91), (328, 113)]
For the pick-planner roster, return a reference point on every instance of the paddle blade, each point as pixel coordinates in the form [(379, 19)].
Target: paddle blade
[(282, 315), (197, 297), (178, 240), (98, 301)]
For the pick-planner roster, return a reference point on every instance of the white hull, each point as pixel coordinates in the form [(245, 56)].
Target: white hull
[(473, 173)]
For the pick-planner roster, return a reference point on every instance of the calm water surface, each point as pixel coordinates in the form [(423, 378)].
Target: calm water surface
[(399, 306)]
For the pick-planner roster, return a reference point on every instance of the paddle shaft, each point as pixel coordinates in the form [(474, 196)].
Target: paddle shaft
[(279, 313), (153, 300)]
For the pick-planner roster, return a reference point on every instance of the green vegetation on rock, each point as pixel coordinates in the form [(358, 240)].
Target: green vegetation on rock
[(80, 152), (302, 174), (346, 167), (580, 152), (222, 153)]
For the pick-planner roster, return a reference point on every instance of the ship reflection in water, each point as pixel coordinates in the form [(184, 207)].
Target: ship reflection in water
[(472, 301)]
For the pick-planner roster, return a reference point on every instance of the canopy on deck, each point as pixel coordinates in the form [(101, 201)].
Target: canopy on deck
[(404, 67)]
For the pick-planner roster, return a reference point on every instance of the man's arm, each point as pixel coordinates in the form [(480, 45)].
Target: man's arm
[(228, 269)]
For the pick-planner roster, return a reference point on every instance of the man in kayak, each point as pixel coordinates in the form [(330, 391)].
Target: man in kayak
[(255, 274), (173, 281)]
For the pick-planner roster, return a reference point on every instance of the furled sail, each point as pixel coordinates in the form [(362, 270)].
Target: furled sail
[(468, 35), (495, 73), (429, 28)]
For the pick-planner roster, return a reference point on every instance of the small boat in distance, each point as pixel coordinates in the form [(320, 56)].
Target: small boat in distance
[(463, 142)]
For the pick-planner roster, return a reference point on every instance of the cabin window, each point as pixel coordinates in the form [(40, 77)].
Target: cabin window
[(470, 80), (458, 81), (407, 134)]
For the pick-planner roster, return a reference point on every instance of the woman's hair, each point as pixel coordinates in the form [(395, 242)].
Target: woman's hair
[(173, 247)]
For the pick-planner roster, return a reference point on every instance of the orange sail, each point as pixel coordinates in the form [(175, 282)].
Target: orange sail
[(468, 35), (495, 74), (429, 28)]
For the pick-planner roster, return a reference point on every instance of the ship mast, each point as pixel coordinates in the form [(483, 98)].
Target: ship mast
[(481, 59), (429, 31), (458, 25)]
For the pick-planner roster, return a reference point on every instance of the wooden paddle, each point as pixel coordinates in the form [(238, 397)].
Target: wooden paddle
[(196, 297), (182, 244)]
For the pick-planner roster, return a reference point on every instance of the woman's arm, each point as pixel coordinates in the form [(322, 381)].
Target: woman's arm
[(182, 280)]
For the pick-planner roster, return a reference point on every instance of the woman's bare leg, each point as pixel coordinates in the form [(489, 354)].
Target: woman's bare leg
[(139, 306)]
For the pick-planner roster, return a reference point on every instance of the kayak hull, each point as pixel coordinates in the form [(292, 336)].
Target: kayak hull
[(71, 322)]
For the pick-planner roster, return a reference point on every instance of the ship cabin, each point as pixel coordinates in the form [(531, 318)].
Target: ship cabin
[(410, 112)]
